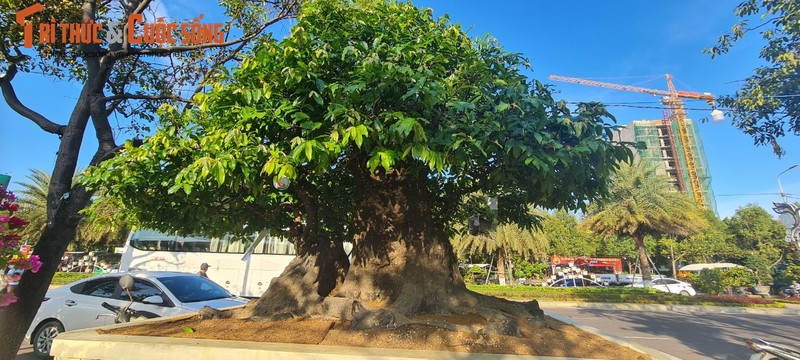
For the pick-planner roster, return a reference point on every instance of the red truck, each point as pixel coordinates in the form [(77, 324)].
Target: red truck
[(592, 265)]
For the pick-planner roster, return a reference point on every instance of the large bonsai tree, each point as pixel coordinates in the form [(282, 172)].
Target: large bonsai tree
[(383, 118)]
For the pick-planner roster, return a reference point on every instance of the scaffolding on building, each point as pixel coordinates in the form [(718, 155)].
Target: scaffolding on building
[(662, 152)]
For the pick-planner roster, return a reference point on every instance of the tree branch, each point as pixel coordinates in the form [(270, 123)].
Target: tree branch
[(143, 5), (216, 64), (113, 107), (11, 98), (101, 156)]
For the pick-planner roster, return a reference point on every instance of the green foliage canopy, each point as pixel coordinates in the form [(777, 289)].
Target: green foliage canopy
[(767, 106), (366, 88), (565, 238)]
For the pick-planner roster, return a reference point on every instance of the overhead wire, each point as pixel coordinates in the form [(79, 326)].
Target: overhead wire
[(661, 107)]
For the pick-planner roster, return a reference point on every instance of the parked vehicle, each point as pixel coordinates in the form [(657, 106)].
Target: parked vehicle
[(242, 265), (80, 304), (576, 282), (767, 350), (669, 286)]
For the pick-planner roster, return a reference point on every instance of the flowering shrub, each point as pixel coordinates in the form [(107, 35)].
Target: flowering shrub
[(736, 300), (13, 259)]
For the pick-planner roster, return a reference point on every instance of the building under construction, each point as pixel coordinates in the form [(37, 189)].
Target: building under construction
[(665, 152)]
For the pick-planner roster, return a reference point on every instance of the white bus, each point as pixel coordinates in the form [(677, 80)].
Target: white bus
[(244, 267)]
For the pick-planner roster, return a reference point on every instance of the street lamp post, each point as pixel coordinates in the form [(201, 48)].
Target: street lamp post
[(780, 188), (789, 213)]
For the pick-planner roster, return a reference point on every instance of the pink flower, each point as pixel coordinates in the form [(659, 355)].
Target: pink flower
[(35, 263), (4, 218), (11, 237), (16, 223)]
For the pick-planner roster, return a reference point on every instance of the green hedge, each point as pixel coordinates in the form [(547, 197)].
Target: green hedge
[(609, 295), (61, 278)]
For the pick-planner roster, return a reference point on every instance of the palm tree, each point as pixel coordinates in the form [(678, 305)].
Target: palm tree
[(32, 202), (505, 241), (640, 203), (101, 229)]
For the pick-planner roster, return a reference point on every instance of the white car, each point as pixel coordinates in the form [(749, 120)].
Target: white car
[(79, 305), (669, 286)]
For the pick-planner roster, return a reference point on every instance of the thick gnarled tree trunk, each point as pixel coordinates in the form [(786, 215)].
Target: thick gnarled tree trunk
[(404, 265), (320, 266)]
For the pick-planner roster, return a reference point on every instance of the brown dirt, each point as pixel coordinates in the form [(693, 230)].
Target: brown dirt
[(551, 338)]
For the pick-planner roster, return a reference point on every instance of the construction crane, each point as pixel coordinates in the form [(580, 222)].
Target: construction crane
[(672, 99)]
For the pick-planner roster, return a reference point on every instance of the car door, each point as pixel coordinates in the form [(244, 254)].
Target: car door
[(142, 289), (673, 286), (659, 285), (81, 307)]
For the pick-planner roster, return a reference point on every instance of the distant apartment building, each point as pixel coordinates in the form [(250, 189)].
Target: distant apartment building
[(667, 154)]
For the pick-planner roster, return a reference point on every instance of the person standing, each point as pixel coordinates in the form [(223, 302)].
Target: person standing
[(203, 269)]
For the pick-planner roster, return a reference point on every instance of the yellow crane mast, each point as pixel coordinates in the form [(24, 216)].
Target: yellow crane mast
[(672, 99)]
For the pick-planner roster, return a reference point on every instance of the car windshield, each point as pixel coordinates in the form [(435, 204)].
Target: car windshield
[(191, 288)]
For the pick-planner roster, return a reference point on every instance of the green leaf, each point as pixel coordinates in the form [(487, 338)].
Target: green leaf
[(373, 162), (219, 172), (247, 97), (320, 84), (269, 167), (187, 330), (309, 150), (386, 160), (501, 107), (579, 126), (462, 105)]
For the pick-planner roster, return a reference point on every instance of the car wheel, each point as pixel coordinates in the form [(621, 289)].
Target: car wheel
[(43, 338), (684, 293)]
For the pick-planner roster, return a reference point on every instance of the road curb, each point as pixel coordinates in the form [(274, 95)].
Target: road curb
[(655, 354), (674, 308)]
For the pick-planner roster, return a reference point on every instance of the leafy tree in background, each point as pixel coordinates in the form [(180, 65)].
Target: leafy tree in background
[(385, 117), (641, 203), (101, 230), (711, 244), (565, 239), (119, 84), (760, 238), (621, 247), (767, 106), (523, 268)]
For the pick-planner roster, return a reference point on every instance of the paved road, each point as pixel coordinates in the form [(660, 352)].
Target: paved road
[(688, 335)]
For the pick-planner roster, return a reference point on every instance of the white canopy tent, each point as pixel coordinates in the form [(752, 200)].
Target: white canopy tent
[(698, 267)]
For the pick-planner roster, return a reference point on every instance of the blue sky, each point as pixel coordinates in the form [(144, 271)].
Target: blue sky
[(626, 42)]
